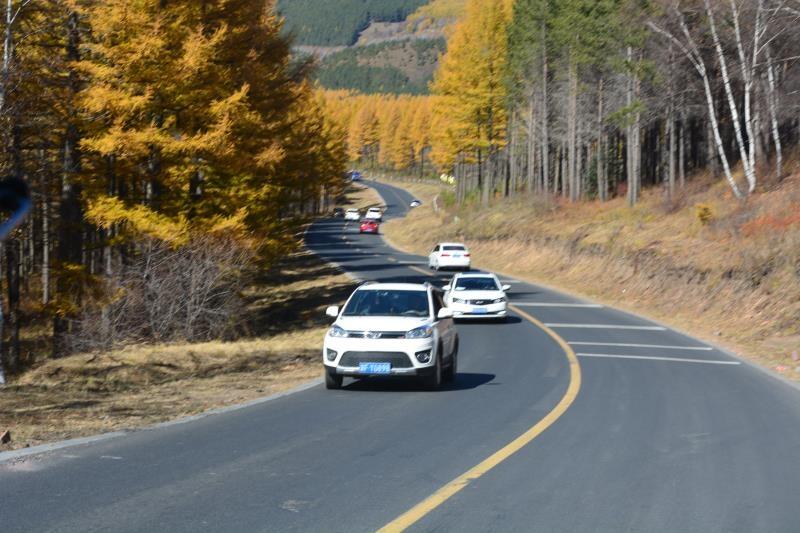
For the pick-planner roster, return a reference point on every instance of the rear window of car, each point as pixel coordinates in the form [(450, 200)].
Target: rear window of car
[(375, 302), (476, 284), (453, 248)]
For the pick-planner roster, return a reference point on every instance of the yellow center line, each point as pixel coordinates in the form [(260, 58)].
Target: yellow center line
[(416, 513)]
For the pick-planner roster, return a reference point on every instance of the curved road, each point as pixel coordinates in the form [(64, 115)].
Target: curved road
[(666, 434)]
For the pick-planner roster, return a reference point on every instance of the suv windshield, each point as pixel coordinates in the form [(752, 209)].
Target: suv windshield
[(388, 303), (476, 284)]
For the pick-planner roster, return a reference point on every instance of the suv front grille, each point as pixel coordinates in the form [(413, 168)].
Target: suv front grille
[(376, 334), (396, 359)]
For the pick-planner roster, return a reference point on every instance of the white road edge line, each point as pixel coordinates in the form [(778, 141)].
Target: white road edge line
[(553, 304), (659, 346), (606, 326), (652, 358)]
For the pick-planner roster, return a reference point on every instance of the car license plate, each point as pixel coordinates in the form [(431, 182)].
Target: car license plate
[(480, 310), (375, 368), (456, 255)]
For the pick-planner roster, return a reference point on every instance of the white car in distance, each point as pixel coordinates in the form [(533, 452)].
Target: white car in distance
[(391, 329), (374, 213), (477, 295), (352, 214), (449, 255)]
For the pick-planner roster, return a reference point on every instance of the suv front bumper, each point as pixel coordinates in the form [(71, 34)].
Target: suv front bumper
[(400, 353)]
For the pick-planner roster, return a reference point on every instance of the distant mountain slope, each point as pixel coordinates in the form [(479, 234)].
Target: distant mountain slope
[(340, 22), (391, 66)]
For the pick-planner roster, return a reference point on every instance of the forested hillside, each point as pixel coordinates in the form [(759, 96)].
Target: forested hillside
[(169, 147), (594, 99), (331, 23), (404, 67)]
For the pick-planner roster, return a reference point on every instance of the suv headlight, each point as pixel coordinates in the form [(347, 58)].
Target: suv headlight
[(336, 331), (459, 301), (422, 332), (498, 300)]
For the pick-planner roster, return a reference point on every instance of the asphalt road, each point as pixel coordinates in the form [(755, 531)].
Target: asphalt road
[(666, 434)]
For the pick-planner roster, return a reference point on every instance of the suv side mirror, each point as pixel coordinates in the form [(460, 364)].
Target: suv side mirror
[(332, 311), (447, 287), (444, 312), (506, 288)]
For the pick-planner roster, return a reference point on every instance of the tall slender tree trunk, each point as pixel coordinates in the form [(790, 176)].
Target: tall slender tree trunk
[(532, 183), (545, 115), (70, 241), (602, 180), (572, 119), (772, 105)]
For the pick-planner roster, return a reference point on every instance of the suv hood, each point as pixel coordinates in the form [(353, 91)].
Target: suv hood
[(381, 323)]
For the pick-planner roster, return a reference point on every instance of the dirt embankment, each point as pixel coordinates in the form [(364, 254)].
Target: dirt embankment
[(703, 262), (140, 385)]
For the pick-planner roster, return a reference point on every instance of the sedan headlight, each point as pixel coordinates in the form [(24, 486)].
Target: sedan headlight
[(336, 331), (459, 301), (498, 300), (422, 332)]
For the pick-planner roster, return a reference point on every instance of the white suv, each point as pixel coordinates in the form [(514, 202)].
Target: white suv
[(476, 295), (449, 255), (391, 329), (374, 213), (352, 214)]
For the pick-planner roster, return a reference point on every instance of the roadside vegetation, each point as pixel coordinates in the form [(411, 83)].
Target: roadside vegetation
[(724, 271), (171, 149), (281, 321)]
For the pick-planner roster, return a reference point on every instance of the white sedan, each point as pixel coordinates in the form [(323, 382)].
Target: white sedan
[(477, 295), (352, 214), (449, 255)]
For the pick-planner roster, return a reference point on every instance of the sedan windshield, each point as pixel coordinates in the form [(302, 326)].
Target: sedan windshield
[(476, 284), (388, 303)]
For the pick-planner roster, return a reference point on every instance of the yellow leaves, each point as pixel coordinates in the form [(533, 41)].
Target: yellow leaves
[(271, 156), (106, 211), (470, 81), (199, 50)]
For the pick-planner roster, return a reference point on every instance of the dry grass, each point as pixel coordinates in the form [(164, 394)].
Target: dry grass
[(733, 278), (94, 393)]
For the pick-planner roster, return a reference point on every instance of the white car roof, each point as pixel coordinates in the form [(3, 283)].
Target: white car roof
[(374, 209), (452, 244), (352, 209), (393, 287)]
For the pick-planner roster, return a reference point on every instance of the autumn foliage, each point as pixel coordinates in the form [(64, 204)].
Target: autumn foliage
[(152, 131)]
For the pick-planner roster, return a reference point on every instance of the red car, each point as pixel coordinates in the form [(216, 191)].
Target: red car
[(369, 226)]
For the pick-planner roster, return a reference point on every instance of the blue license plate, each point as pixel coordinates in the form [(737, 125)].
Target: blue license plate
[(480, 310), (375, 368)]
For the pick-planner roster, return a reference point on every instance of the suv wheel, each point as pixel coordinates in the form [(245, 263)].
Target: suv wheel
[(332, 380), (434, 380), (450, 373)]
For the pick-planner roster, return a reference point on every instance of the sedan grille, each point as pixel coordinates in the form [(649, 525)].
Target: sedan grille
[(480, 302), (396, 359)]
